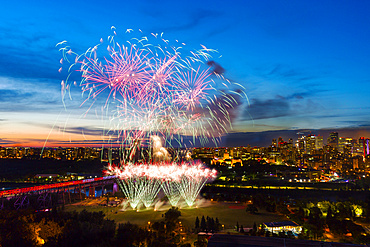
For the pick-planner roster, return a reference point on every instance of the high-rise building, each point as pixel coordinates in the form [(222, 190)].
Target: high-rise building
[(290, 144), (310, 144), (333, 140), (301, 144), (345, 142), (341, 143), (280, 142), (365, 145), (274, 143), (319, 142)]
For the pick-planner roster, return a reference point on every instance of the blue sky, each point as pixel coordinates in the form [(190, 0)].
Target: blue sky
[(304, 64)]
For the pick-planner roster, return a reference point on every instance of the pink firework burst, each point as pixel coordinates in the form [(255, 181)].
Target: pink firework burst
[(150, 88)]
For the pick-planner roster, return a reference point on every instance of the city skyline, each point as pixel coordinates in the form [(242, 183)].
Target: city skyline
[(304, 65)]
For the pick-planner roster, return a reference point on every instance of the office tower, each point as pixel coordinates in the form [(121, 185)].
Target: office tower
[(274, 143), (310, 144), (365, 145), (301, 144), (319, 142), (333, 140), (280, 142)]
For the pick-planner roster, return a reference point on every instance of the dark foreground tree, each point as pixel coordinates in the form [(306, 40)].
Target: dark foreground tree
[(130, 235), (16, 229), (87, 228), (172, 215), (197, 223), (252, 209)]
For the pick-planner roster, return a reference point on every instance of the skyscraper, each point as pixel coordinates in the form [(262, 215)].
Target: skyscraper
[(366, 145), (333, 140), (310, 144), (319, 142)]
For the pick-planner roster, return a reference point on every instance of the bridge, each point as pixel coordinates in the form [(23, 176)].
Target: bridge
[(42, 194)]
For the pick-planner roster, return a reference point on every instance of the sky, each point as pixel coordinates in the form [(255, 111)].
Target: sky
[(305, 65)]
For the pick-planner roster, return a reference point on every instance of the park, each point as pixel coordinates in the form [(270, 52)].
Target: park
[(228, 213)]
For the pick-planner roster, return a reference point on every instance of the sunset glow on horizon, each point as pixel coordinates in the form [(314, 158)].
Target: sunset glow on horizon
[(304, 65)]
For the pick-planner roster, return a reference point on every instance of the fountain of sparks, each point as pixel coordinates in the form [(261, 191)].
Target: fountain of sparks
[(142, 182)]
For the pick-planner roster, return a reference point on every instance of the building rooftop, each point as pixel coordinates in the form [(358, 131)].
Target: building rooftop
[(281, 223)]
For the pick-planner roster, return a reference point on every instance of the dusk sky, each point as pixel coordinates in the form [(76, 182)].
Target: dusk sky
[(305, 65)]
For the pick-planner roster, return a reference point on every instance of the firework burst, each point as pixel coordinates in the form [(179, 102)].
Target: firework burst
[(149, 86), (149, 89)]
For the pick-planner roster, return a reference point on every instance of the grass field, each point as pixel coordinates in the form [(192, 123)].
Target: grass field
[(227, 213)]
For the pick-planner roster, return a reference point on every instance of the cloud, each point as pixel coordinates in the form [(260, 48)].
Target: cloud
[(192, 18), (8, 95), (6, 142), (29, 95), (286, 72), (356, 123), (25, 64), (83, 130), (271, 108), (295, 103), (216, 68)]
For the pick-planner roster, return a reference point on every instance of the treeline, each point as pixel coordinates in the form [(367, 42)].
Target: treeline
[(338, 218), (60, 228), (207, 224)]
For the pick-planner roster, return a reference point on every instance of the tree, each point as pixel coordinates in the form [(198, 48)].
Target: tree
[(86, 228), (130, 234), (197, 223), (254, 227), (208, 223), (172, 215), (217, 225), (316, 231), (241, 229), (343, 210), (252, 209), (200, 243), (329, 214), (16, 229), (211, 225), (203, 224), (281, 208), (315, 222), (49, 230), (315, 215)]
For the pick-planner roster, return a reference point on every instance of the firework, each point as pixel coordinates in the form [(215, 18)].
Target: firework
[(149, 86), (192, 181), (142, 182), (131, 183), (150, 89), (150, 192), (170, 188)]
